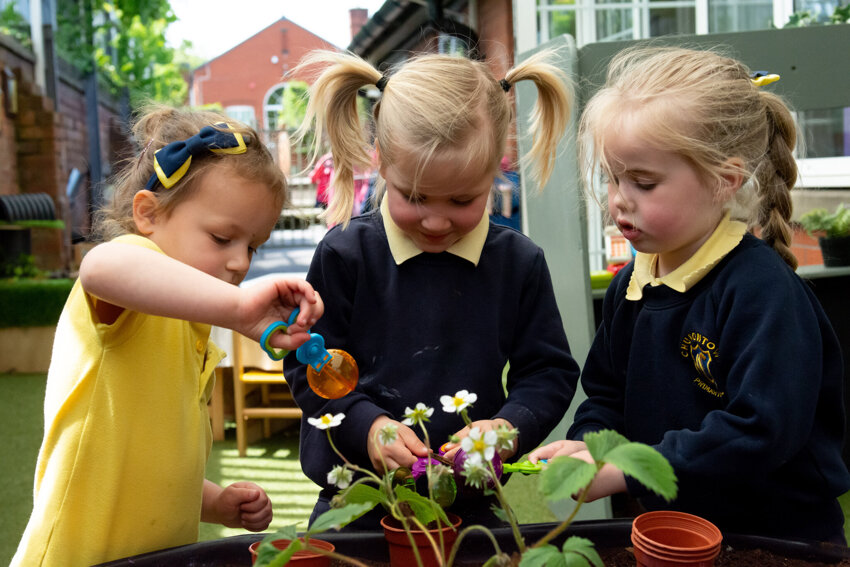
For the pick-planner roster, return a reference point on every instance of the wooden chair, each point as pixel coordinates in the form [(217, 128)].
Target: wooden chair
[(256, 376)]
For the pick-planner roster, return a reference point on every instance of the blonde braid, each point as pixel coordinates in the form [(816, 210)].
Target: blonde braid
[(776, 176)]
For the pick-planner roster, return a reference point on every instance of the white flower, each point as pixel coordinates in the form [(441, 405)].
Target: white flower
[(340, 476), (326, 421), (418, 415), (477, 443), (476, 472), (387, 434), (458, 402), (506, 437)]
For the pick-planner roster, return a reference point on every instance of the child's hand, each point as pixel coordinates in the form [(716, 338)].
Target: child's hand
[(269, 301), (406, 449), (557, 449), (484, 425), (243, 505)]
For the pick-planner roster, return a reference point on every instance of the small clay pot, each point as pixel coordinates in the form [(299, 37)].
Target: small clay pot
[(401, 552), (666, 538), (302, 557)]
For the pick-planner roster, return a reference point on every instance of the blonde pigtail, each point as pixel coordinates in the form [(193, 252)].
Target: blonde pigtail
[(332, 110), (551, 112)]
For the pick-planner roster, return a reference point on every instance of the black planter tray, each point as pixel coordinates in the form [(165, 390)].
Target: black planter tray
[(370, 546)]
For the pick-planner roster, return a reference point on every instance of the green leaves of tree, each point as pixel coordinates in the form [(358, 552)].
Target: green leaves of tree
[(125, 41)]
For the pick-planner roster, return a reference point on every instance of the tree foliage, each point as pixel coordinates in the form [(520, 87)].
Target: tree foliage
[(125, 41)]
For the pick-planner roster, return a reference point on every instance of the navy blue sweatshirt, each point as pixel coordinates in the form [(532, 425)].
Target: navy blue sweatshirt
[(738, 383), (432, 326)]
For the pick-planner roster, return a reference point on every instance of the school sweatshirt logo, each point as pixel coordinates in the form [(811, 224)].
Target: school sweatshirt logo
[(702, 351)]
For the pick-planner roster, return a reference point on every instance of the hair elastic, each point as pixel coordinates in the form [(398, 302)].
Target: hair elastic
[(506, 86), (382, 83)]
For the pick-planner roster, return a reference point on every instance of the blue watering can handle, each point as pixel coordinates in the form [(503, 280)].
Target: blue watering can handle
[(277, 354)]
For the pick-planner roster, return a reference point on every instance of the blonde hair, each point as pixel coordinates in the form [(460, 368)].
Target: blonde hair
[(161, 125), (430, 104), (702, 106)]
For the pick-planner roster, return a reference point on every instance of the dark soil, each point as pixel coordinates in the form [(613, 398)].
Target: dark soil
[(728, 557)]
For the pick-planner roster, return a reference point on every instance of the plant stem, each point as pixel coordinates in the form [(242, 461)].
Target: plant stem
[(463, 533), (557, 530), (503, 501)]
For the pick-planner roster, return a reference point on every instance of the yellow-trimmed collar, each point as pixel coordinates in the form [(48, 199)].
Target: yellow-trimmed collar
[(469, 247), (725, 237)]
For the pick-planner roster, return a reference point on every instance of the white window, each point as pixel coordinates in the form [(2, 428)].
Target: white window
[(243, 113)]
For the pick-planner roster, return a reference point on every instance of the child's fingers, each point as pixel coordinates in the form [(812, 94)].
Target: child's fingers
[(258, 504), (256, 522)]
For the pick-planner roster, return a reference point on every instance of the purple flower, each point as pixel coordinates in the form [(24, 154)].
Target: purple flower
[(421, 466)]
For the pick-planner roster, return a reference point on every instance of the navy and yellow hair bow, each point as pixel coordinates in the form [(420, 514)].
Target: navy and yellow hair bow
[(762, 78), (171, 162)]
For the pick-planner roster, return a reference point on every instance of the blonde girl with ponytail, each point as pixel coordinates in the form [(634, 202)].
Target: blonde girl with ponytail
[(427, 295)]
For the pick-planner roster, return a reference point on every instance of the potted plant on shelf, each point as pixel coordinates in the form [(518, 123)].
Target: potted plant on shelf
[(833, 233), (477, 465)]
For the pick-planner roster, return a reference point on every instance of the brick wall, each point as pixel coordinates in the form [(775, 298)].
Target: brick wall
[(247, 73), (42, 143), (806, 248)]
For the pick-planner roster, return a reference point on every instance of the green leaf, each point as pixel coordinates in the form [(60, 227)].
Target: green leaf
[(424, 510), (270, 556), (544, 556), (647, 466), (580, 551), (339, 517), (361, 493), (286, 532), (565, 476), (599, 443)]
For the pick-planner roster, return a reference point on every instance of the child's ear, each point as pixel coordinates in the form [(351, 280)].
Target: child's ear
[(145, 211), (732, 177)]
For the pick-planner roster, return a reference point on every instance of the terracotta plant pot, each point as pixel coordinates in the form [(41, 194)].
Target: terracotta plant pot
[(303, 557), (401, 552), (674, 539)]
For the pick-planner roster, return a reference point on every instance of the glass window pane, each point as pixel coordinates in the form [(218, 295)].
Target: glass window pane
[(826, 132), (614, 24), (562, 20), (242, 113), (276, 96), (821, 11), (734, 15), (667, 21)]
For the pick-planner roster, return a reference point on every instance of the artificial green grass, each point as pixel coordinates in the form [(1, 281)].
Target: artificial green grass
[(22, 424), (271, 463)]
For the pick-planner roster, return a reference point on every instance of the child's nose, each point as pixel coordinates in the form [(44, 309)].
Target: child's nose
[(239, 261), (617, 200), (434, 220)]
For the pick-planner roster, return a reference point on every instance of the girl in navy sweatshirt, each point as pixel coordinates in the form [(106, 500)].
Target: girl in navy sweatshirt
[(711, 348), (428, 296)]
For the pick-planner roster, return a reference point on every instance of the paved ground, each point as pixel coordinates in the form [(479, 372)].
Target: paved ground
[(287, 251)]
